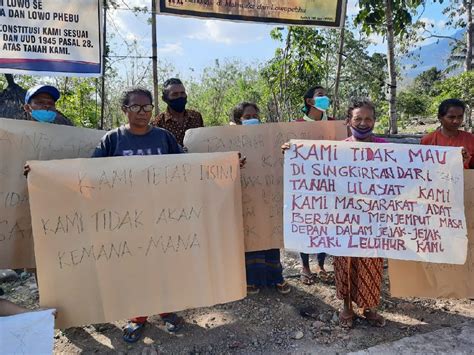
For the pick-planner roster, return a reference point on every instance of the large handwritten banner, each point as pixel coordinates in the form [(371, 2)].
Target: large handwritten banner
[(375, 200), (418, 279), (262, 177), (292, 12), (21, 141), (50, 37), (140, 235)]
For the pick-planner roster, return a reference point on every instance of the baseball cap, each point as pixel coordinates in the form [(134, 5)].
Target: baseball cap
[(38, 89)]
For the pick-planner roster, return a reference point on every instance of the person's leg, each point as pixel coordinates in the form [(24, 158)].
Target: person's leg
[(371, 271), (306, 276), (256, 271), (321, 271), (139, 320), (343, 290), (275, 271), (321, 258)]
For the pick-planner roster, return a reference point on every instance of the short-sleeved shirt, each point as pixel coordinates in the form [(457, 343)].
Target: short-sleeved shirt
[(121, 142), (463, 139), (192, 119)]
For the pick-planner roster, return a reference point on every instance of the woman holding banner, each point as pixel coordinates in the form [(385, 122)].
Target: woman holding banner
[(316, 103), (451, 116), (359, 280), (138, 137), (263, 268)]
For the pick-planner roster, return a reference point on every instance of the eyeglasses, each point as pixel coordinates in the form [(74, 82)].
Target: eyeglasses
[(138, 108)]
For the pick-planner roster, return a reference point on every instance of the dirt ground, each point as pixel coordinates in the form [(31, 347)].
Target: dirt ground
[(264, 323)]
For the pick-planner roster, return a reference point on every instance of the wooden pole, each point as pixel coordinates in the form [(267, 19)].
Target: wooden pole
[(339, 59), (154, 55), (104, 59)]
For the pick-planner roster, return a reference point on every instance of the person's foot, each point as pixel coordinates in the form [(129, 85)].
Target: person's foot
[(283, 288), (346, 318), (306, 277), (133, 332), (173, 322), (252, 290), (321, 271), (374, 319)]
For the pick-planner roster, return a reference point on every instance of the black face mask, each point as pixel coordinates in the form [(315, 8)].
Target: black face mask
[(178, 104)]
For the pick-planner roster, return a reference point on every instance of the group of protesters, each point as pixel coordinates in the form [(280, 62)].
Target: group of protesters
[(358, 280)]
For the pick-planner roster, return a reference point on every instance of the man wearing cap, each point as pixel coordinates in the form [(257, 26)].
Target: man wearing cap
[(40, 105)]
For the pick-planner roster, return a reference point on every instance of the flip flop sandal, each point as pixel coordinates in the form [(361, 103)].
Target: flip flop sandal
[(173, 322), (133, 332), (309, 312), (346, 321), (283, 288), (307, 279), (252, 290), (375, 319)]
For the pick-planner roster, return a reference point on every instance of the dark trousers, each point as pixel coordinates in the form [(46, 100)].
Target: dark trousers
[(305, 259)]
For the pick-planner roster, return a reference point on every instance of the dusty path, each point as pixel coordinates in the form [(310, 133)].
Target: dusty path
[(264, 323)]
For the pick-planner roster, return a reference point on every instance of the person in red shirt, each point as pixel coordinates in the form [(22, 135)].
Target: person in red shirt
[(451, 116)]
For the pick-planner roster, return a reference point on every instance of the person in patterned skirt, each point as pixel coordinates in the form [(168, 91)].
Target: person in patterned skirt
[(359, 280)]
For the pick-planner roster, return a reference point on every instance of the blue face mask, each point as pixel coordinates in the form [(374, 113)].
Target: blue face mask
[(322, 103), (250, 121), (43, 115)]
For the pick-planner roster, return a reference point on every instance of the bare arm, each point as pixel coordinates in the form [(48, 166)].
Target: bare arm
[(8, 308)]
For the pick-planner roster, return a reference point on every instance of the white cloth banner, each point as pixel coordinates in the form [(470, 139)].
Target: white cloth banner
[(375, 200), (27, 333), (50, 37)]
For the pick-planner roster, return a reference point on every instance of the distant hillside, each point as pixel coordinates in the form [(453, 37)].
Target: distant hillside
[(425, 57)]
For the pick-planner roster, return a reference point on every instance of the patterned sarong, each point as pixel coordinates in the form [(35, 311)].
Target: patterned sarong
[(366, 280)]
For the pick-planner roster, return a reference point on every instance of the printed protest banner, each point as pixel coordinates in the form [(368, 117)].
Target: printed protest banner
[(141, 235), (325, 13), (419, 279), (21, 141), (50, 37), (28, 333), (262, 177), (375, 200)]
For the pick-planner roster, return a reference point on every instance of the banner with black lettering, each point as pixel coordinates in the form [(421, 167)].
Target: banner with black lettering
[(375, 200), (50, 37), (141, 235), (323, 13)]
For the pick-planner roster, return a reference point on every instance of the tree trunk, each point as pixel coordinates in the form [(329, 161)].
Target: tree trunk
[(392, 75), (10, 80), (470, 30)]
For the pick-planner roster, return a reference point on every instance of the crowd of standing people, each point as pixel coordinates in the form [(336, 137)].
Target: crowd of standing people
[(358, 280)]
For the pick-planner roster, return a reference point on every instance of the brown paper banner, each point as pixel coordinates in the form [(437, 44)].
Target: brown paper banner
[(21, 141), (418, 279), (262, 177), (122, 237)]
